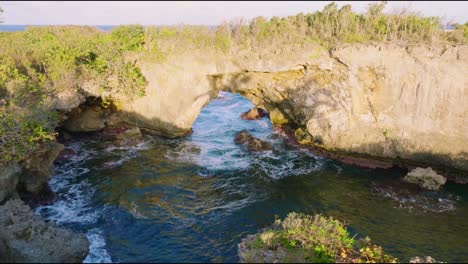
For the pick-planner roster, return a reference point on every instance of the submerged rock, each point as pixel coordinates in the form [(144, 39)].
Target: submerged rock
[(25, 237), (252, 143), (426, 178), (427, 259), (66, 154), (254, 113)]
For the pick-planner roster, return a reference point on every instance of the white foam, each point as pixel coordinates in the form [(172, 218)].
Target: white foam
[(97, 248), (129, 152), (75, 202)]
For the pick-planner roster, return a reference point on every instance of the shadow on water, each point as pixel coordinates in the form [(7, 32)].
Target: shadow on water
[(194, 199)]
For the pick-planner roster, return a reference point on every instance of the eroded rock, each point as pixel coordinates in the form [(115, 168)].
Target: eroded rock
[(26, 238), (426, 178), (254, 114), (9, 176), (386, 101), (85, 119), (38, 169), (252, 143), (123, 134)]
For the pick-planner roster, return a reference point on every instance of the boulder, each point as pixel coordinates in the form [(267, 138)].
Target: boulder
[(9, 176), (84, 119), (66, 154), (123, 134), (252, 143), (254, 113), (26, 238), (426, 178), (38, 169)]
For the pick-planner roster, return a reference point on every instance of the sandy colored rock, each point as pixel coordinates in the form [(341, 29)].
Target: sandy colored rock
[(394, 102), (252, 143), (26, 238), (254, 113), (426, 178), (385, 101), (85, 120)]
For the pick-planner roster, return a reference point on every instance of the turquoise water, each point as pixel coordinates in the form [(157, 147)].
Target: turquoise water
[(194, 199)]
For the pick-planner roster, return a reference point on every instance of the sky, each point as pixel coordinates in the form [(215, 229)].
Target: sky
[(198, 13)]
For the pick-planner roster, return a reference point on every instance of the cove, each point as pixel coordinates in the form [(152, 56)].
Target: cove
[(193, 199)]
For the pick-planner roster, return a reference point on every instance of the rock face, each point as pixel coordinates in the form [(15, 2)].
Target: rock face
[(85, 120), (252, 143), (38, 169), (426, 178), (9, 176), (254, 113), (123, 135), (175, 95), (26, 238), (406, 104)]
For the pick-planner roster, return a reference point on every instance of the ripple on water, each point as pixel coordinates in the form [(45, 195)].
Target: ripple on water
[(193, 199), (407, 197)]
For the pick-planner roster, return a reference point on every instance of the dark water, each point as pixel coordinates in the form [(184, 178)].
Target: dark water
[(194, 199)]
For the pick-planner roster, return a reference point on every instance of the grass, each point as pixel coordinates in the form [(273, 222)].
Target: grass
[(313, 239)]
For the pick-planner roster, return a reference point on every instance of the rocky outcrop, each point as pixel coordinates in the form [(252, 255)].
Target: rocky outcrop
[(252, 143), (85, 119), (391, 102), (254, 114), (426, 178), (388, 102), (9, 176), (37, 170), (122, 135), (26, 238)]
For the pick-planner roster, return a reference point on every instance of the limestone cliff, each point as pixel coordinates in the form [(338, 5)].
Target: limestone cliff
[(406, 104), (385, 101)]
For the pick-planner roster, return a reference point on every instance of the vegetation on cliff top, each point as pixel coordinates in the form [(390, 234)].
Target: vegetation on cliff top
[(329, 27), (315, 239), (41, 62)]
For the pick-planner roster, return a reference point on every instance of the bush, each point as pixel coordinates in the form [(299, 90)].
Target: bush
[(315, 239), (42, 62)]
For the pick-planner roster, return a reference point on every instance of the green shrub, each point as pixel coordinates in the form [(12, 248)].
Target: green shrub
[(314, 239), (41, 62), (128, 38)]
